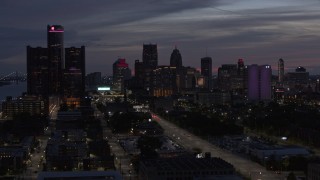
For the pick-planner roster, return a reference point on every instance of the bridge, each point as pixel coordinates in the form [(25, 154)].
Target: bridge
[(15, 76)]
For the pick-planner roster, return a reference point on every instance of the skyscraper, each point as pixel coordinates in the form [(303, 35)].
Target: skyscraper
[(206, 71), (175, 58), (227, 74), (56, 58), (265, 82), (164, 81), (280, 70), (48, 72), (240, 67), (259, 82), (150, 55), (37, 70), (121, 72), (74, 72)]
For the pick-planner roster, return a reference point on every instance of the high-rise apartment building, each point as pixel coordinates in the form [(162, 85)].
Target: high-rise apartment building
[(280, 70), (121, 72), (175, 58), (150, 55), (56, 58), (259, 82), (206, 71)]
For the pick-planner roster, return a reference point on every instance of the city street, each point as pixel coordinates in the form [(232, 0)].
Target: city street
[(122, 159), (246, 167)]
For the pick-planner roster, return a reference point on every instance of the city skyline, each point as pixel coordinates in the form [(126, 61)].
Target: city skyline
[(260, 32)]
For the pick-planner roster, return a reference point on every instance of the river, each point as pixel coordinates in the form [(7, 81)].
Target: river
[(13, 90)]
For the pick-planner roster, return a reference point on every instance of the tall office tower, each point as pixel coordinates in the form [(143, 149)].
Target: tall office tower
[(139, 73), (175, 58), (164, 81), (74, 72), (265, 82), (240, 80), (280, 70), (37, 70), (253, 82), (259, 82), (206, 71), (150, 55), (240, 67), (227, 76), (121, 72), (56, 58)]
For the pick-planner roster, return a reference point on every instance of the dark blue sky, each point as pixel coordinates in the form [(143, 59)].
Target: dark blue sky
[(259, 31)]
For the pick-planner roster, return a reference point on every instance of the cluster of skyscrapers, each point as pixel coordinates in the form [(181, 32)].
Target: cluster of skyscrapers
[(56, 71), (250, 82)]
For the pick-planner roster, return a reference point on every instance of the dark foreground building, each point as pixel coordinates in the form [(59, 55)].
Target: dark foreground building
[(184, 168)]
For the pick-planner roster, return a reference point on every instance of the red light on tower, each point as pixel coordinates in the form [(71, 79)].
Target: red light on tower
[(52, 28)]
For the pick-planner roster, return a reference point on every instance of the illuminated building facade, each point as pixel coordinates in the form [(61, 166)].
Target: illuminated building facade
[(34, 105), (259, 82), (164, 81)]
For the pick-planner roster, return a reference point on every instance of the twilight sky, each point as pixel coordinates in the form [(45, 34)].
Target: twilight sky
[(259, 31)]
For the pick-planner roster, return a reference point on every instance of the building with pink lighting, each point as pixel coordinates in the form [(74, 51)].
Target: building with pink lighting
[(121, 72), (259, 82), (56, 58)]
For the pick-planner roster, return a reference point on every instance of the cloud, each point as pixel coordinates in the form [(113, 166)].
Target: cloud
[(258, 30)]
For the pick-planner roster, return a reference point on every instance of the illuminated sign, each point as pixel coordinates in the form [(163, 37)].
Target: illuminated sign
[(103, 88), (52, 29)]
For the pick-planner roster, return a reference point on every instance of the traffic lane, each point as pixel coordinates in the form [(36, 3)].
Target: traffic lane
[(245, 166)]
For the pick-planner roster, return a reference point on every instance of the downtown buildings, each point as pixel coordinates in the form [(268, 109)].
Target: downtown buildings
[(56, 71), (259, 82)]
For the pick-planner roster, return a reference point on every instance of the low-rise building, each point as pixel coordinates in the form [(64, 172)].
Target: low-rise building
[(97, 175), (34, 105), (66, 150)]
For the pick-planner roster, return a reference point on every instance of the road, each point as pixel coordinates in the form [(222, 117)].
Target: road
[(122, 159), (189, 141)]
